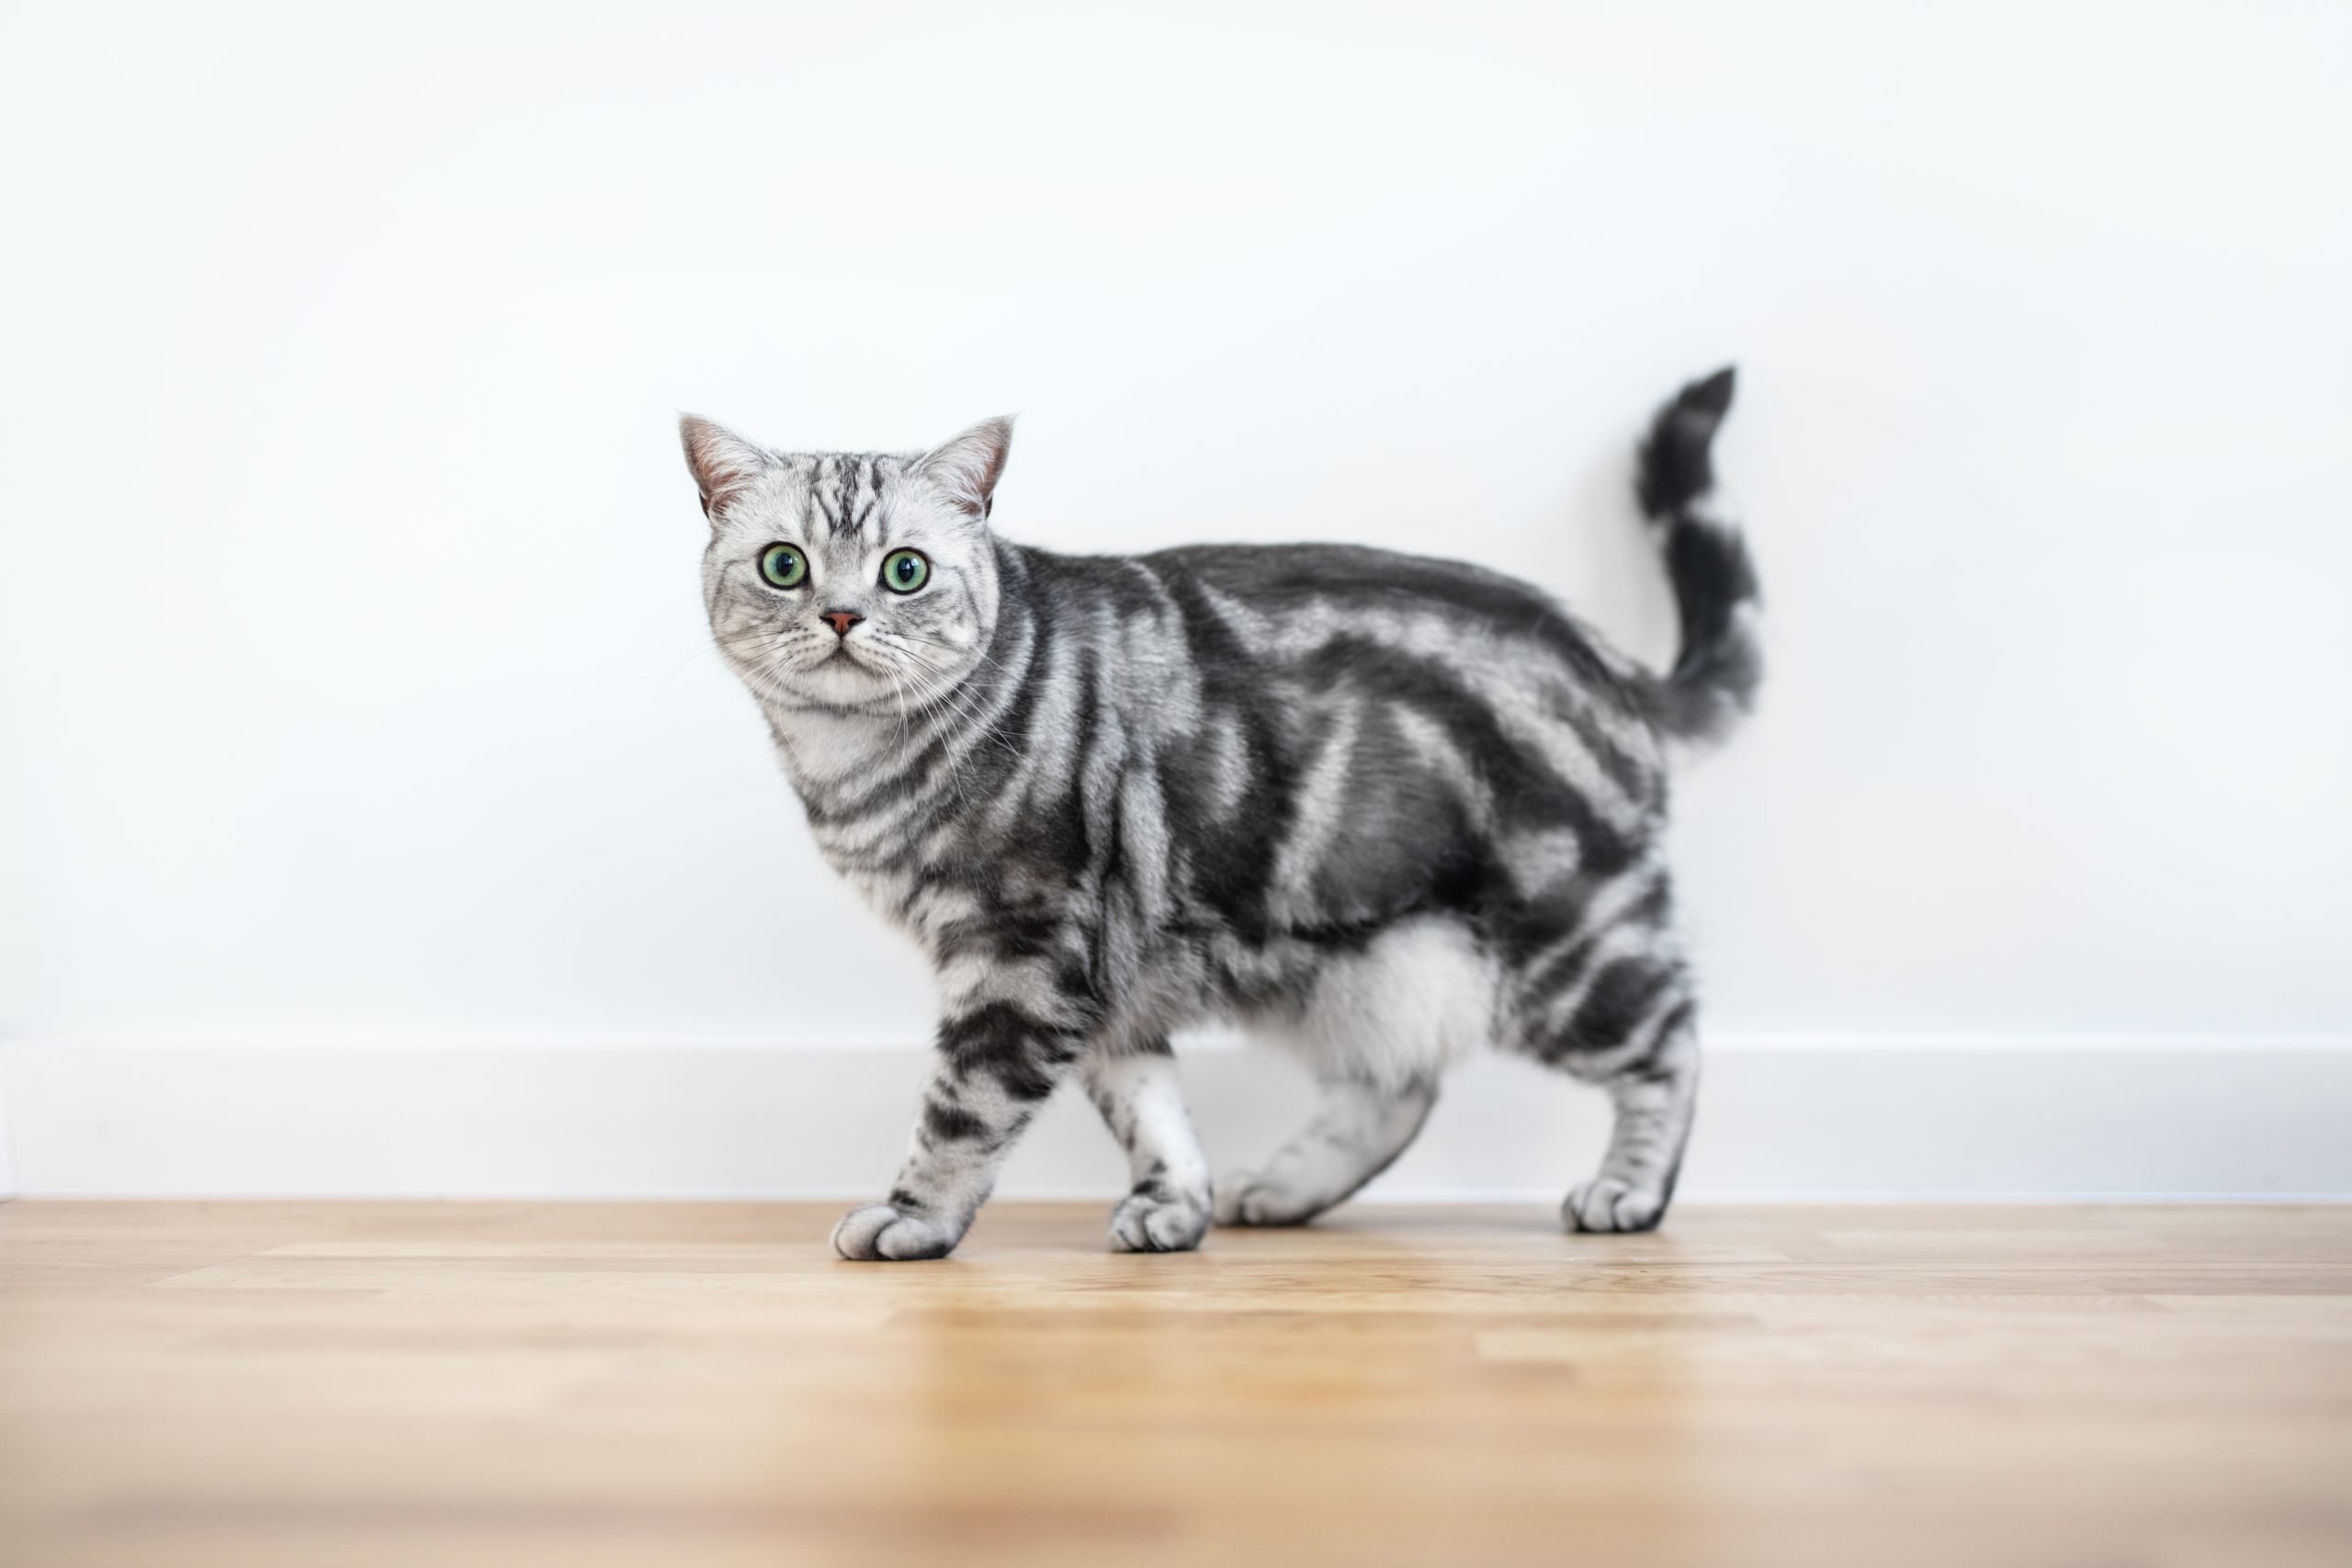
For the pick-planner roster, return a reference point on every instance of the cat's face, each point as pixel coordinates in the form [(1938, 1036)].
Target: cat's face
[(847, 580)]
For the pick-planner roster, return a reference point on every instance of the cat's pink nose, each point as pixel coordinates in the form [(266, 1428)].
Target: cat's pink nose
[(839, 620)]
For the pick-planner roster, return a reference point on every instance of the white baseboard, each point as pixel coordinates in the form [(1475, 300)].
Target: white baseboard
[(7, 1159), (1827, 1121)]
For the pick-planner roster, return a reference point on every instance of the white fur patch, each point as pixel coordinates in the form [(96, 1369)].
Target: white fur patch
[(1419, 997)]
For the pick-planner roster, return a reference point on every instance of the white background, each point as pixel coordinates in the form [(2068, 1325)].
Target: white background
[(353, 683)]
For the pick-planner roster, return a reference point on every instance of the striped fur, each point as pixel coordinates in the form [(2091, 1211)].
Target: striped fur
[(1377, 809)]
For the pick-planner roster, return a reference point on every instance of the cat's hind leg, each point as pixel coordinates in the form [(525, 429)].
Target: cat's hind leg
[(1614, 1005), (1653, 1096), (1136, 1090), (1376, 1030), (1357, 1130)]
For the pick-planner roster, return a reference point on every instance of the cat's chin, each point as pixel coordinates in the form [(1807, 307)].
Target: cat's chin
[(839, 679)]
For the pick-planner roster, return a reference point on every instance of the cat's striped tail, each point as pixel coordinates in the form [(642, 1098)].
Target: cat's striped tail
[(1714, 677)]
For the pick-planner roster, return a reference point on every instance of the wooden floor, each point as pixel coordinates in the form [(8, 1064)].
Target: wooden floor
[(259, 1384)]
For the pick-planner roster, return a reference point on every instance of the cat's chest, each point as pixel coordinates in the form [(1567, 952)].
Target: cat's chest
[(926, 908), (880, 849), (899, 831)]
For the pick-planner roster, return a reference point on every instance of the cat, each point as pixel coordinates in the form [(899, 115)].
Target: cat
[(1377, 808)]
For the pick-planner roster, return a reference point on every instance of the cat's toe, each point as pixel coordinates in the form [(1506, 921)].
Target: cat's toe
[(881, 1233), (1244, 1198), (1607, 1203), (1226, 1202), (1147, 1222)]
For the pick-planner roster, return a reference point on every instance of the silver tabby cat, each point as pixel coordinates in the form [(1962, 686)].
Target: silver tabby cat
[(1378, 808)]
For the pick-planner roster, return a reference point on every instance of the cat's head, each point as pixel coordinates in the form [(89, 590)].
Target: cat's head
[(856, 581)]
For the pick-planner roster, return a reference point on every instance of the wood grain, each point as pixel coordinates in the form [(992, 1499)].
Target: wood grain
[(586, 1384)]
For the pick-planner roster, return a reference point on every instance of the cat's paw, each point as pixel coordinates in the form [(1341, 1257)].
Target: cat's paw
[(1145, 1222), (1245, 1198), (1607, 1203), (880, 1232)]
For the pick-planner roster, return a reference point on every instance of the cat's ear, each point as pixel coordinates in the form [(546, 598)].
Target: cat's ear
[(720, 459), (967, 467)]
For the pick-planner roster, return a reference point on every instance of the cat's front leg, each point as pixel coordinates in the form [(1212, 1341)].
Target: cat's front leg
[(1002, 1052), (1167, 1209)]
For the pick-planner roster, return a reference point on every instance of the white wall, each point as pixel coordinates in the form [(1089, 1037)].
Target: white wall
[(353, 687)]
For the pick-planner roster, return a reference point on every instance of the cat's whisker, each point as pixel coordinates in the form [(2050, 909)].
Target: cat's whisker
[(941, 704), (937, 680), (949, 703)]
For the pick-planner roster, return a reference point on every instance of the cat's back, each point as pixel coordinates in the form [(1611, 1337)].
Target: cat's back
[(1317, 651), (1333, 602)]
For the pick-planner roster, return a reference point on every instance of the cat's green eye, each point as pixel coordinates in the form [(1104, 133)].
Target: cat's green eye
[(905, 571), (784, 565)]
